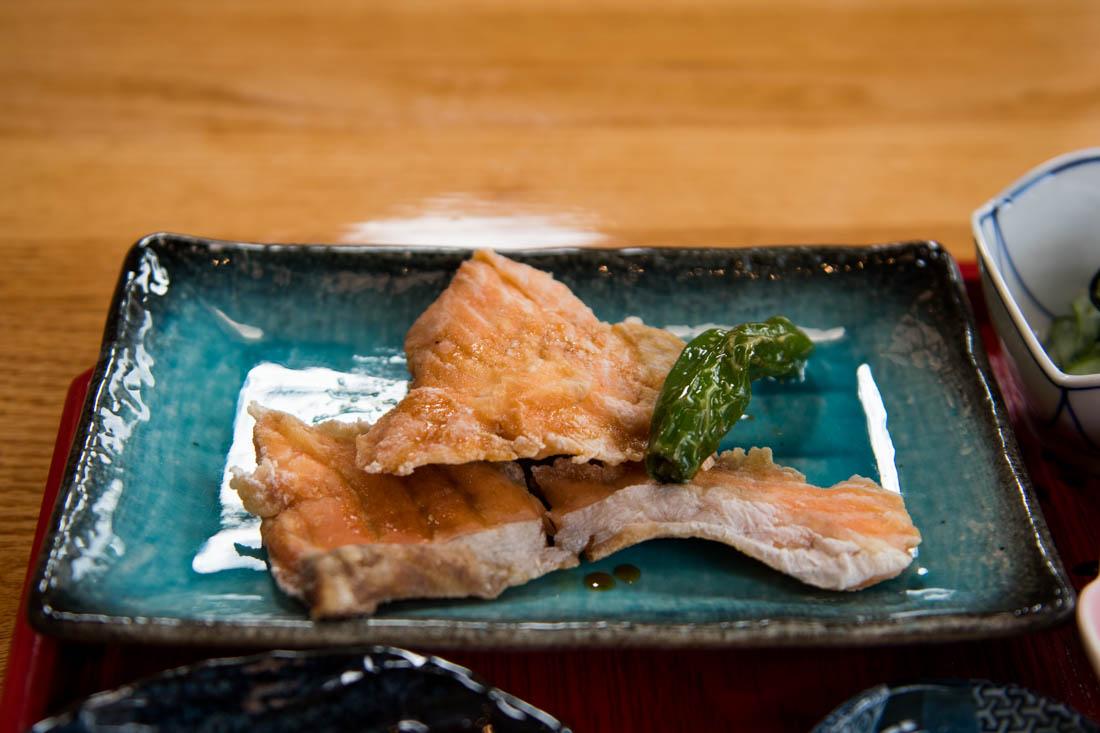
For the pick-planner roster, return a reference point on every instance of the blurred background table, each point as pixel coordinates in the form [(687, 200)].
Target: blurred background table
[(601, 122)]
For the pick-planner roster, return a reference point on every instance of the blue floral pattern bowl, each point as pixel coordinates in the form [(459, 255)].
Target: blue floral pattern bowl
[(1038, 246)]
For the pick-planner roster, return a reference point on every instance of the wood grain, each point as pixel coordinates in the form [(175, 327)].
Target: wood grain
[(636, 121)]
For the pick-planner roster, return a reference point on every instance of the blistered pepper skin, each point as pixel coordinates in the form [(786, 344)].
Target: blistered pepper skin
[(709, 387)]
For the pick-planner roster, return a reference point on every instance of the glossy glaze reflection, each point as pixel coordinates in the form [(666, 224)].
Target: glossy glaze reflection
[(314, 394), (122, 409)]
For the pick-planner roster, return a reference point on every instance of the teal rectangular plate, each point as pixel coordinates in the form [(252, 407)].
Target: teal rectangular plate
[(191, 317)]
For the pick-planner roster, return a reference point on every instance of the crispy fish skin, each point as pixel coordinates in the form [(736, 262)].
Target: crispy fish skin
[(507, 363), (346, 541), (846, 537)]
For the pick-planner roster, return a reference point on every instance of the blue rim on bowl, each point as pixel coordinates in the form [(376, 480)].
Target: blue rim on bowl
[(997, 255)]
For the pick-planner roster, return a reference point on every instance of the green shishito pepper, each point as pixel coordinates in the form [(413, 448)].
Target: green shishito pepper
[(708, 389)]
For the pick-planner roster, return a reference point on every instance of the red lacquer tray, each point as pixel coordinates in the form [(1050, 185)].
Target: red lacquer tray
[(642, 690)]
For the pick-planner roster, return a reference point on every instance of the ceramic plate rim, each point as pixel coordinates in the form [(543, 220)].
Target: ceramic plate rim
[(446, 633)]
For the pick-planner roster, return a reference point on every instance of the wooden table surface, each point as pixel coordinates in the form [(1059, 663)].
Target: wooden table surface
[(603, 122)]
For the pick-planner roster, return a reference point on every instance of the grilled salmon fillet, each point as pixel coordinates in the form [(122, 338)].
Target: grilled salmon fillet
[(345, 540), (846, 537), (507, 363)]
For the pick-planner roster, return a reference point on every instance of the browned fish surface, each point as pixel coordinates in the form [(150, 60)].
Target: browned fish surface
[(846, 537), (507, 363), (346, 540)]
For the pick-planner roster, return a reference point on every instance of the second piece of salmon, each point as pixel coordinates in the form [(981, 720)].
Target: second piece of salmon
[(846, 537)]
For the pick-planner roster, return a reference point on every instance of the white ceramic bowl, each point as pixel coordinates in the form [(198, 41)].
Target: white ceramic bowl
[(1038, 247)]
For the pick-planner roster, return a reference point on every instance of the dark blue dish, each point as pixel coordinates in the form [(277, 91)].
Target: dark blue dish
[(954, 706), (377, 689)]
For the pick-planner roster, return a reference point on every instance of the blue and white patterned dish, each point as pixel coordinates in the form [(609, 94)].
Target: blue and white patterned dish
[(147, 543), (1038, 245), (954, 706)]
